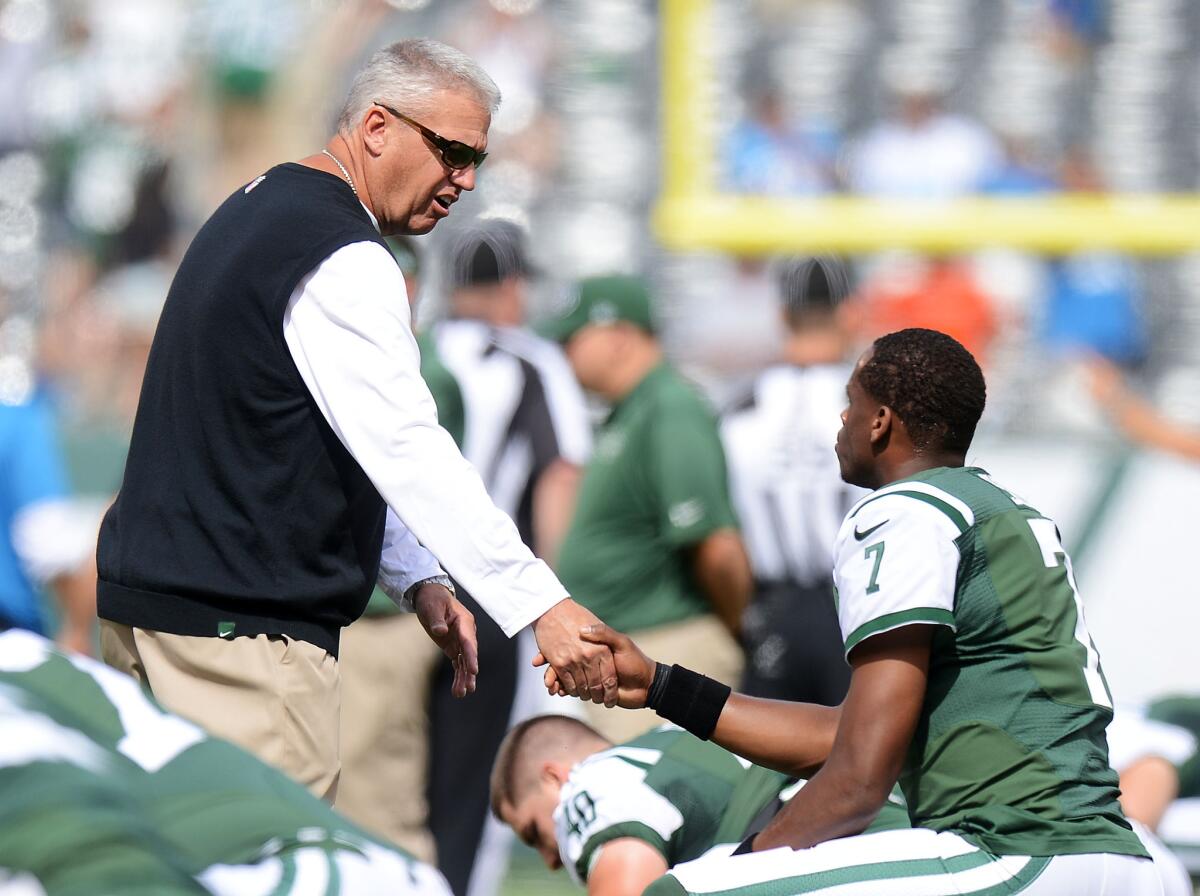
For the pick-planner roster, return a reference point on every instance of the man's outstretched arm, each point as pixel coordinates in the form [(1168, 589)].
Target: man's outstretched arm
[(794, 738), (360, 361)]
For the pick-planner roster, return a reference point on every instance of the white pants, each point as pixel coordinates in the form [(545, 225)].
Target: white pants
[(910, 863)]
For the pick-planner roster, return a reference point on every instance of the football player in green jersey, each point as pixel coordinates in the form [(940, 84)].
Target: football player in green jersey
[(975, 683), (102, 792), (617, 817)]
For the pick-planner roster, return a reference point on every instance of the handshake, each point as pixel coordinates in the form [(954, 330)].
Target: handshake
[(584, 657)]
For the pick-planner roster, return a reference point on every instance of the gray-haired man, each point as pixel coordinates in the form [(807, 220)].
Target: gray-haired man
[(284, 436)]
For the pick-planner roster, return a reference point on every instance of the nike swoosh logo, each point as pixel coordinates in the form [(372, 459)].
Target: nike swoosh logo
[(859, 536)]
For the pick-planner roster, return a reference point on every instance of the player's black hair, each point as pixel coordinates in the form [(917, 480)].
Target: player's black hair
[(811, 287), (931, 382)]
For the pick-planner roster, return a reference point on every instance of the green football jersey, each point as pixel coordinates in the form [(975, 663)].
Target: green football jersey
[(1009, 751), (675, 792), (203, 806)]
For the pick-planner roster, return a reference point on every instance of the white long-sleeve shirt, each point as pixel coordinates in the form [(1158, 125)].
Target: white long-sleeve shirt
[(349, 331)]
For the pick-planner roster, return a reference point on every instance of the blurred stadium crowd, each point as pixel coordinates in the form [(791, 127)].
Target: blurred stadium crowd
[(130, 119), (127, 121)]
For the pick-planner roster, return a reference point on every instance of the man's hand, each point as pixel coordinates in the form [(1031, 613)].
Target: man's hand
[(452, 628), (635, 670), (577, 668)]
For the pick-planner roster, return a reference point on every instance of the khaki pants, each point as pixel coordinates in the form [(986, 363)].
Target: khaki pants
[(387, 663), (702, 644), (272, 695)]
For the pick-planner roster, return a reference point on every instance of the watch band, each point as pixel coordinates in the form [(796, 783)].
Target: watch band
[(443, 580)]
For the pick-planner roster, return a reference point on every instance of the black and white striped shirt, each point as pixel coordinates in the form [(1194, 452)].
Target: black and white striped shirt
[(523, 407), (787, 489)]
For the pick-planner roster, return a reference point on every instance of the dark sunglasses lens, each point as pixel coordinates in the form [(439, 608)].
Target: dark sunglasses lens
[(459, 155)]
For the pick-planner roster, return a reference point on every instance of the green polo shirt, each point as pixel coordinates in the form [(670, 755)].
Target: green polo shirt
[(451, 415), (656, 485)]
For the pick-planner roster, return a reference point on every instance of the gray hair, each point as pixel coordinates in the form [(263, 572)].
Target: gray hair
[(409, 73)]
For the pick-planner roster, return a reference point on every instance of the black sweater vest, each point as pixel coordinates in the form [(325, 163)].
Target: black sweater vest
[(241, 512)]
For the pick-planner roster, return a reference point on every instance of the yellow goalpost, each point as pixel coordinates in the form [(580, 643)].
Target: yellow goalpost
[(693, 213)]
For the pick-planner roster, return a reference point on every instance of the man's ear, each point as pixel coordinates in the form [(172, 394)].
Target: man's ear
[(881, 426), (555, 772), (374, 130)]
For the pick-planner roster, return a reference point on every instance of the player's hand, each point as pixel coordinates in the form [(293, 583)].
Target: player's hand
[(452, 628), (577, 668), (635, 670)]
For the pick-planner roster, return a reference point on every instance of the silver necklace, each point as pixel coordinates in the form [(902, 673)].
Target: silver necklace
[(345, 173)]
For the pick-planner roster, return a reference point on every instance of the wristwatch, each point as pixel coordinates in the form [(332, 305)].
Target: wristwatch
[(443, 580)]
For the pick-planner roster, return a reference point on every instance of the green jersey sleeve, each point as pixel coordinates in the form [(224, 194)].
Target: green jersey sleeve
[(897, 561), (692, 482)]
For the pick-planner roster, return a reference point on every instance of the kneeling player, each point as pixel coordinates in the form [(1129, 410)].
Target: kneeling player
[(103, 792), (974, 680), (619, 816)]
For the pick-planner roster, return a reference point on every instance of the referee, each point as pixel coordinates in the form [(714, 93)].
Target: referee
[(528, 435), (789, 495)]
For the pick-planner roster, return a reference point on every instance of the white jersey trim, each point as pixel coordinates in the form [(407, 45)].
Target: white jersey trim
[(924, 488)]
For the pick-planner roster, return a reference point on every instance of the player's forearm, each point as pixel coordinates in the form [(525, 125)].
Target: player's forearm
[(722, 570), (829, 806), (793, 738)]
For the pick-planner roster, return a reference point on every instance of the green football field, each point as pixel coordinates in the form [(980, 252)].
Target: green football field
[(529, 876)]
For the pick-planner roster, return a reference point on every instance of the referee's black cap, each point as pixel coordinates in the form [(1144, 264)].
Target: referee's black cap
[(488, 252), (812, 283)]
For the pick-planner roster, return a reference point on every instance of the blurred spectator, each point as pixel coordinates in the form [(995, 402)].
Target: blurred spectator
[(1094, 301), (384, 734), (769, 154), (1093, 305), (1020, 172), (1076, 26), (653, 547), (921, 151), (528, 435), (515, 44), (49, 539), (1136, 418), (789, 493), (94, 350), (938, 293)]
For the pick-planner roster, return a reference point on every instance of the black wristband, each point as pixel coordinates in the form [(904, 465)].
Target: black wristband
[(662, 674), (690, 700)]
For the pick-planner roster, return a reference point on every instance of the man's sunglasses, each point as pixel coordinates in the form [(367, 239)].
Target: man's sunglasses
[(456, 155)]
